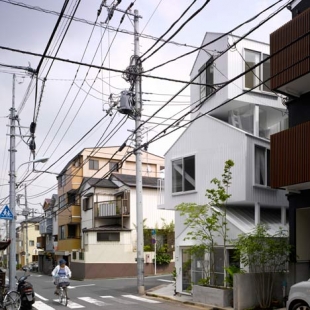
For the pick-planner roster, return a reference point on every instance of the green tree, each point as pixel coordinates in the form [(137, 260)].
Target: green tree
[(207, 222), (264, 254)]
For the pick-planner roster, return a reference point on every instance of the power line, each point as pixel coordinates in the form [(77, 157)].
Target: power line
[(220, 37)]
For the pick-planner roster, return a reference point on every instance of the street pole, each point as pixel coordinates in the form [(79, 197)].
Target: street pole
[(12, 254), (26, 219), (138, 136)]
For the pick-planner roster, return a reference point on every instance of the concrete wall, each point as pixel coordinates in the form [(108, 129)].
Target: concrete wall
[(245, 295)]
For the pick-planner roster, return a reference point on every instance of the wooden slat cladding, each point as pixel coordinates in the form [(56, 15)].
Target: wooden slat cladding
[(290, 156), (292, 54)]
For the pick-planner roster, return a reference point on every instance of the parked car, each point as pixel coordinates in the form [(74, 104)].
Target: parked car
[(34, 266), (299, 296)]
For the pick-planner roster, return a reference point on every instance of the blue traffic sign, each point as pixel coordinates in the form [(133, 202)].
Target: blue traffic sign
[(6, 213)]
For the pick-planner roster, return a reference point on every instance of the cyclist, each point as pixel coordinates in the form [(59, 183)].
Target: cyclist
[(60, 271)]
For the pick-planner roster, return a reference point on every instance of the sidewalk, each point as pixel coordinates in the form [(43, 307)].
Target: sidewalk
[(166, 291)]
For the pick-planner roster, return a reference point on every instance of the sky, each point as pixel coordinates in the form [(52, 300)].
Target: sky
[(74, 98)]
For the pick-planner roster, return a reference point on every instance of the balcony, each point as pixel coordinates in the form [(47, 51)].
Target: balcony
[(46, 226), (112, 209), (290, 68), (290, 158)]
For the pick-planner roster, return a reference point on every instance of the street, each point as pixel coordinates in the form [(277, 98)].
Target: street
[(108, 293)]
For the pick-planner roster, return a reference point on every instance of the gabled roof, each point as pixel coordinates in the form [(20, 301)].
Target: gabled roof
[(130, 180), (107, 228), (96, 182)]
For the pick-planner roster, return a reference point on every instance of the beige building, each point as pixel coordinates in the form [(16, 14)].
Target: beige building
[(97, 210), (27, 232)]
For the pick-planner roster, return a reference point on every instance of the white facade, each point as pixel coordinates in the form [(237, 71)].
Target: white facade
[(226, 128)]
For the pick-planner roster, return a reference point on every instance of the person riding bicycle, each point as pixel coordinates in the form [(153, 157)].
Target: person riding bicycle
[(60, 271)]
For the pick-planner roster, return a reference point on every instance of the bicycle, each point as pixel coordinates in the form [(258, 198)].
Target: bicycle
[(9, 300), (62, 284)]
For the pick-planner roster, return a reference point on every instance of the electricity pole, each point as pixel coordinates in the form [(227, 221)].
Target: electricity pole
[(12, 150), (140, 241), (26, 212)]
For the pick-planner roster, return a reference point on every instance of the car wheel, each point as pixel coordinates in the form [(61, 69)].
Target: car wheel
[(301, 306)]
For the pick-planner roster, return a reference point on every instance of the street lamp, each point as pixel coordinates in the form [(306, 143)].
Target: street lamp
[(12, 201)]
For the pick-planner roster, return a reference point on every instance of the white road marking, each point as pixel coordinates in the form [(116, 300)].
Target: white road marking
[(41, 306), (142, 299), (163, 280), (41, 297), (71, 304), (71, 287), (120, 301), (94, 301)]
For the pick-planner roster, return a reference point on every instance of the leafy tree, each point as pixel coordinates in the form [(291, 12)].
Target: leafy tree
[(207, 222), (264, 254)]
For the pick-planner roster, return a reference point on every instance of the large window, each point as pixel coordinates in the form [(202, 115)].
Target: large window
[(183, 174), (206, 77), (108, 236), (93, 164), (262, 166), (260, 73), (72, 231)]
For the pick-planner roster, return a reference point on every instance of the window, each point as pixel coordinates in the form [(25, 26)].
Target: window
[(31, 242), (81, 255), (260, 73), (62, 201), (36, 227), (108, 236), (71, 231), (93, 164), (206, 77), (113, 166), (262, 166), (183, 174), (62, 232), (62, 180), (73, 255), (71, 198), (87, 203)]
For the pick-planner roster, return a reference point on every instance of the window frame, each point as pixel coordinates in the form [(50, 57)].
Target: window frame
[(62, 232), (207, 90), (114, 166), (266, 163), (262, 88), (173, 178), (92, 163), (109, 234)]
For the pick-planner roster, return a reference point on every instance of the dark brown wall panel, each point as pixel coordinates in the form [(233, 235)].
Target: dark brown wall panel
[(292, 30), (290, 156)]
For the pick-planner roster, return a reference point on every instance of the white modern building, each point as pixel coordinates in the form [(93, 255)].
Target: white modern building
[(232, 123)]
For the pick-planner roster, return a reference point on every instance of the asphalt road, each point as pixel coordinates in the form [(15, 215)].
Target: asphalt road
[(116, 294)]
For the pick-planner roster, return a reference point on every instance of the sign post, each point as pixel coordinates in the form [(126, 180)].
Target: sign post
[(6, 213), (154, 242)]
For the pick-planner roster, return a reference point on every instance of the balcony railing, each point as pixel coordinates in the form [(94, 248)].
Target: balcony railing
[(290, 158), (112, 208), (290, 68)]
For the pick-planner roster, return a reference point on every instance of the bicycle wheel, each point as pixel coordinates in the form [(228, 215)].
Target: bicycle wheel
[(63, 296), (12, 301)]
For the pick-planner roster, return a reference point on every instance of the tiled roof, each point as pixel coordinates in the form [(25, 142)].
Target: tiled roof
[(107, 228), (105, 183), (130, 180)]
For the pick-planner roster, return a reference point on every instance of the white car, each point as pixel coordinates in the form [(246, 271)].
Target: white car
[(299, 296)]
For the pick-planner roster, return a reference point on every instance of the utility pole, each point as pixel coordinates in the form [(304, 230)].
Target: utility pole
[(140, 241), (12, 253), (26, 212)]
